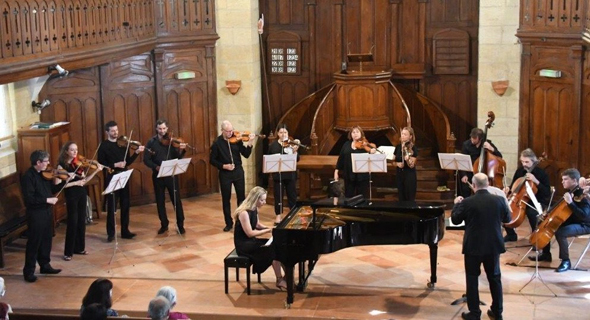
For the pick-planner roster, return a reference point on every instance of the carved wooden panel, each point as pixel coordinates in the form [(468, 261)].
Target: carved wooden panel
[(552, 15), (186, 106), (450, 52), (76, 98), (128, 96), (176, 17)]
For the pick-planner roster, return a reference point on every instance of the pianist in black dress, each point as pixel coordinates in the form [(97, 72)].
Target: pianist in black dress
[(247, 228), (405, 160), (354, 183)]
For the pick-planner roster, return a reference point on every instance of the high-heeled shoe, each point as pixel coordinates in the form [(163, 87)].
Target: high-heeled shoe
[(281, 283)]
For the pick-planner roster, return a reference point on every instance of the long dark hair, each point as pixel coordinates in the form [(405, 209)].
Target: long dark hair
[(99, 292), (63, 154)]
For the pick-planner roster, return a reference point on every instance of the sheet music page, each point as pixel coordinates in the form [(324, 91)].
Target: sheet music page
[(389, 152)]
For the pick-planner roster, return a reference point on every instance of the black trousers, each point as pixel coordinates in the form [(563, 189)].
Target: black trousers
[(406, 185), (491, 265), (226, 179), (76, 203), (40, 235), (122, 195), (463, 189), (290, 187), (353, 188), (160, 187)]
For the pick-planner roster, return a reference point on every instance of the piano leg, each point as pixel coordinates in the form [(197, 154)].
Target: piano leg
[(289, 277), (433, 261)]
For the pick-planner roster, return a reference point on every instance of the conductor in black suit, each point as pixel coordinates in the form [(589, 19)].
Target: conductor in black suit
[(483, 243)]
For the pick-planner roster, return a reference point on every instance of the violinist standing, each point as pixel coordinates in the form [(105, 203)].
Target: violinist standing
[(225, 156), (405, 161), (578, 223), (111, 155), (287, 179), (163, 149), (38, 195), (76, 200), (472, 147), (539, 177), (354, 183)]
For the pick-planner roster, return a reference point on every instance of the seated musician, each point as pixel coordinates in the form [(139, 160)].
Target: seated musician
[(536, 175), (354, 183), (579, 221), (247, 228), (472, 147)]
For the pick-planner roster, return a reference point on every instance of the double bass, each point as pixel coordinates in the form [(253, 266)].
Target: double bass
[(493, 166)]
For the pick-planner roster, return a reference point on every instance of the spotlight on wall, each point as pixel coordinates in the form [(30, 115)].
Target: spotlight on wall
[(61, 72), (38, 106)]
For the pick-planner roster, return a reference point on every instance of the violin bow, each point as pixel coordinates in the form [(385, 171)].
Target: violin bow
[(169, 146), (69, 179), (93, 158), (128, 144)]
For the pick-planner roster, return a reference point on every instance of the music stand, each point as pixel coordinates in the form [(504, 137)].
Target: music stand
[(360, 57), (366, 162), (455, 161), (272, 163), (172, 168), (118, 181)]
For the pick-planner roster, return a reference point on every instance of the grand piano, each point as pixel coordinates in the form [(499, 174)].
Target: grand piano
[(329, 225)]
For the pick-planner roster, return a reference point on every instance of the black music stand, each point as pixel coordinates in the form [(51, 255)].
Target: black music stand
[(360, 58), (172, 168), (118, 181), (272, 163), (455, 161), (369, 163)]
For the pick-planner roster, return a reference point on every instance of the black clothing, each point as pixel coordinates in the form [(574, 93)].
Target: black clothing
[(76, 203), (483, 214), (469, 149), (577, 224), (163, 153), (252, 248), (287, 179), (223, 152), (406, 176), (354, 183), (36, 190), (110, 153), (543, 195)]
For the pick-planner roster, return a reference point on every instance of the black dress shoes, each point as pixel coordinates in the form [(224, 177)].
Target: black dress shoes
[(564, 266), (542, 257), (227, 229), (30, 277), (110, 238), (50, 270), (128, 235), (181, 230), (493, 316), (470, 316), (510, 238), (162, 230)]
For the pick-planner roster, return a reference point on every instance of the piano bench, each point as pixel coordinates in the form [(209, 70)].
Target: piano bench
[(233, 260)]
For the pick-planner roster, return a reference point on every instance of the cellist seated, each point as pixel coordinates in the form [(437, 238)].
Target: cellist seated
[(578, 222), (472, 147)]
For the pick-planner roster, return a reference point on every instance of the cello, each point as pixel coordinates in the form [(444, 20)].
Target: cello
[(518, 199), (493, 166), (555, 217)]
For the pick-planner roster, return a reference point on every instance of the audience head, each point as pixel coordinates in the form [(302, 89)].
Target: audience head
[(100, 291), (94, 311), (169, 293), (159, 308)]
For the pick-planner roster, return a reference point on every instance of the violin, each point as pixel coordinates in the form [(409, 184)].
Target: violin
[(50, 173), (123, 141), (166, 140), (82, 162), (493, 166), (243, 136), (294, 142), (364, 144)]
